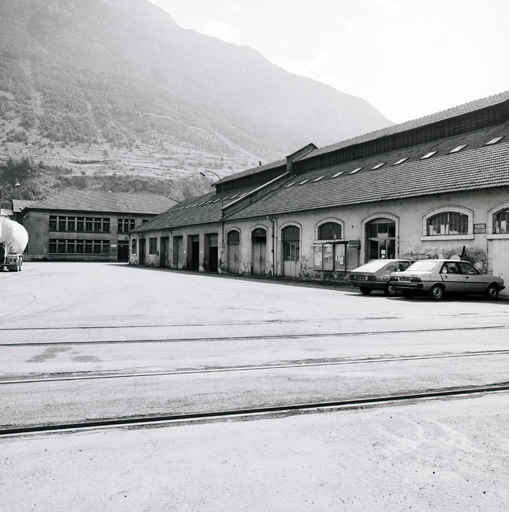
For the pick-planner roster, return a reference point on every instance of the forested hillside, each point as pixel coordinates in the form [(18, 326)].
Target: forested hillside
[(112, 93)]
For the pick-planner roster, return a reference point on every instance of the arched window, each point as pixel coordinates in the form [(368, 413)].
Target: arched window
[(329, 231), (501, 222), (447, 223), (233, 238)]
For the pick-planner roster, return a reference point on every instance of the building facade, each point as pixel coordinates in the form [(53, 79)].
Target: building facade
[(436, 186), (82, 225)]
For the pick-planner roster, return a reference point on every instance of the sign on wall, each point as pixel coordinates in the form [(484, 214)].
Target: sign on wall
[(479, 229)]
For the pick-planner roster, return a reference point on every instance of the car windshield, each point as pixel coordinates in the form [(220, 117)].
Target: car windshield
[(423, 266), (373, 266)]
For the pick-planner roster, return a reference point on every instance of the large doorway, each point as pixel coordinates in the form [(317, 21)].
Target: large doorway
[(123, 250), (233, 253), (142, 251), (193, 252), (178, 252), (211, 263), (165, 247), (291, 251), (380, 239), (259, 251)]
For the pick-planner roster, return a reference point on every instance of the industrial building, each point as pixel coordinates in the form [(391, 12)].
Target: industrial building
[(85, 225), (434, 186)]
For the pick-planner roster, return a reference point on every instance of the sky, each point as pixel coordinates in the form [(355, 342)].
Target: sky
[(408, 58)]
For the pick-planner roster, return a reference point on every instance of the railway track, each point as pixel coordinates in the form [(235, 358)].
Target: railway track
[(337, 334), (246, 413), (246, 368)]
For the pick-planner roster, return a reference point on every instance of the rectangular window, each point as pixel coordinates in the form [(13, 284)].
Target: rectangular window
[(79, 246), (125, 225), (62, 224), (98, 225), (60, 246), (71, 246), (106, 225), (71, 224), (106, 247), (89, 224), (80, 224), (88, 246), (52, 246), (52, 223), (152, 245)]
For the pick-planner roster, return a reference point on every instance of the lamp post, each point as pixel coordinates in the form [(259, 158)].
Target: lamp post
[(220, 180), (16, 185)]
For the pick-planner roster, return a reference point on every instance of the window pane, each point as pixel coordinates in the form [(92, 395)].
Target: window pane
[(501, 220), (329, 231), (448, 223)]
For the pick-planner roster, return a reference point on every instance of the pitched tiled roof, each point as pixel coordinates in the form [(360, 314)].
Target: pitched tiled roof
[(475, 167), (99, 201), (197, 210), (20, 204), (415, 123)]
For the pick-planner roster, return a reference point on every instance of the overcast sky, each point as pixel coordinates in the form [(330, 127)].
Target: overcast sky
[(408, 58)]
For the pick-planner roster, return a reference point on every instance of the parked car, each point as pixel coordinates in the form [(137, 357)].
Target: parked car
[(375, 275), (438, 277)]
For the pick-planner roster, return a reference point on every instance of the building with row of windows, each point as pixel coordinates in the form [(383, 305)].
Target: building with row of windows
[(435, 186), (85, 225)]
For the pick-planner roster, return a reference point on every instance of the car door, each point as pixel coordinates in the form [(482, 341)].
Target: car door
[(473, 281), (452, 277)]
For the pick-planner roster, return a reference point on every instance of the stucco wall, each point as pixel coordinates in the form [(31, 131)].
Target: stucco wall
[(36, 223), (486, 251)]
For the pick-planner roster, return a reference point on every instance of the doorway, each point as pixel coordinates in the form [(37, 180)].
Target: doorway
[(163, 256), (291, 251), (380, 239), (233, 255), (258, 251)]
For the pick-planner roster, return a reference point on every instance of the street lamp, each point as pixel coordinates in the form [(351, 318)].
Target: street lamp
[(220, 180), (16, 185)]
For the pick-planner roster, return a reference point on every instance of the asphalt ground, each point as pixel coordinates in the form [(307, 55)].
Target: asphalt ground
[(95, 341)]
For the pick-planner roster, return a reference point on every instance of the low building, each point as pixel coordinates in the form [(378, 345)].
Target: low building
[(435, 186), (84, 225)]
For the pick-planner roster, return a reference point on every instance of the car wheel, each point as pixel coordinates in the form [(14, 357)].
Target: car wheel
[(408, 294), (436, 292), (365, 291), (492, 292), (390, 291)]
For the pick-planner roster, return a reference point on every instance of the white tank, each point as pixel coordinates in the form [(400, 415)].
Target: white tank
[(13, 234)]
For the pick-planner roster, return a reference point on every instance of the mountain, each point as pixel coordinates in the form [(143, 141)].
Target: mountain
[(113, 93)]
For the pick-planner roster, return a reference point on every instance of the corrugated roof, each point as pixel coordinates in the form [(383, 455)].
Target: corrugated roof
[(100, 201), (415, 123)]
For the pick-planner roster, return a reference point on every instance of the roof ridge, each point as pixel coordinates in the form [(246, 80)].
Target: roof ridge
[(440, 115)]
